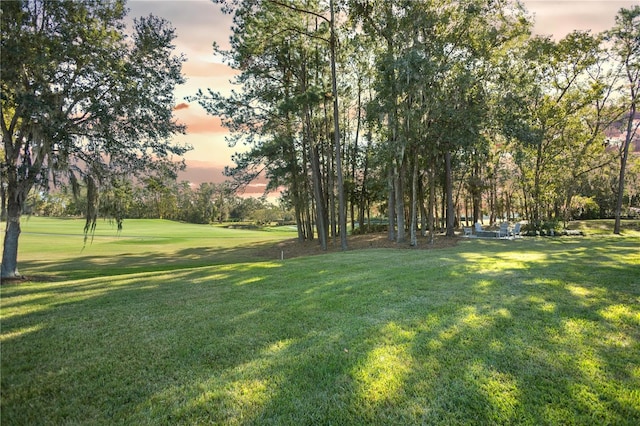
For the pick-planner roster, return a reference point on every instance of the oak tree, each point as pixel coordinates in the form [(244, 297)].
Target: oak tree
[(84, 99)]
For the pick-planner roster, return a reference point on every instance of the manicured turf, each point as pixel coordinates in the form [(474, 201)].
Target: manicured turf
[(57, 247), (532, 331)]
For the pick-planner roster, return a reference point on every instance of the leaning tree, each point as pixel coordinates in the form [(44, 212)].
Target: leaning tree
[(625, 38), (84, 99)]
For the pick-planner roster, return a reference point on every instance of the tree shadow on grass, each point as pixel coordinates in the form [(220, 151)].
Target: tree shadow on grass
[(471, 335), (505, 355), (82, 267)]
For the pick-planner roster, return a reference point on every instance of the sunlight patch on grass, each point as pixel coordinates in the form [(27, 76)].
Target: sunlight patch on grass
[(483, 286), (24, 310), (541, 303), (469, 319), (500, 390), (518, 258), (631, 399), (577, 328), (385, 367), (278, 347), (19, 332), (497, 345), (251, 280), (472, 319), (590, 365), (588, 296), (484, 262), (249, 394), (621, 314), (584, 395)]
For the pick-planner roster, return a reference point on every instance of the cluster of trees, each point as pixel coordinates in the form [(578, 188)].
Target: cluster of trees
[(430, 110), (422, 111), (156, 198)]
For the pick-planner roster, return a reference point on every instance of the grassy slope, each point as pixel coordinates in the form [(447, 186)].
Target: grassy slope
[(539, 331)]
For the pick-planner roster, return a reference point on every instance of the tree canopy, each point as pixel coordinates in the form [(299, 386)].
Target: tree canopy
[(458, 103), (84, 100), (449, 113)]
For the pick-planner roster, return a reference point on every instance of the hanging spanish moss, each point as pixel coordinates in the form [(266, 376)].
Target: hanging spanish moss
[(93, 200)]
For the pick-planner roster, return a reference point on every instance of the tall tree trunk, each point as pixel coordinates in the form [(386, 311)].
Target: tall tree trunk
[(623, 164), (316, 177), (391, 205), (476, 193), (466, 211), (329, 174), (432, 203), (493, 198), (321, 215), (414, 200), (342, 209), (537, 190), (399, 191), (363, 187), (423, 209), (354, 159), (449, 191), (296, 193)]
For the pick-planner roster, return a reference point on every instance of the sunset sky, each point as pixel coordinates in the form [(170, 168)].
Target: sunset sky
[(199, 23)]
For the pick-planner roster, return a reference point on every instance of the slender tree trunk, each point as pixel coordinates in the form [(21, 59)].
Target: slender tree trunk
[(342, 210), (391, 206), (298, 203), (493, 199), (432, 203), (329, 174), (321, 215), (476, 193), (354, 159), (316, 178), (307, 209), (466, 210), (623, 165), (399, 191), (423, 209), (537, 190), (363, 187), (414, 200), (449, 191)]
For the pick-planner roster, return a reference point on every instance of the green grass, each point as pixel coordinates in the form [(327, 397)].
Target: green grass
[(532, 331), (604, 226), (56, 247)]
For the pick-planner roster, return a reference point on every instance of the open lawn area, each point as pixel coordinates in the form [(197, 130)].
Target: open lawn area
[(183, 324)]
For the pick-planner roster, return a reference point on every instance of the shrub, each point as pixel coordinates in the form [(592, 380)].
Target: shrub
[(370, 228), (550, 227)]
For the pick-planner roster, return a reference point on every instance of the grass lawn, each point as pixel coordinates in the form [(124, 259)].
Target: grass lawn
[(145, 328), (57, 247)]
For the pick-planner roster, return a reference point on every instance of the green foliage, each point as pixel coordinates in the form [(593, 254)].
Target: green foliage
[(584, 208), (370, 228), (83, 98), (521, 117)]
